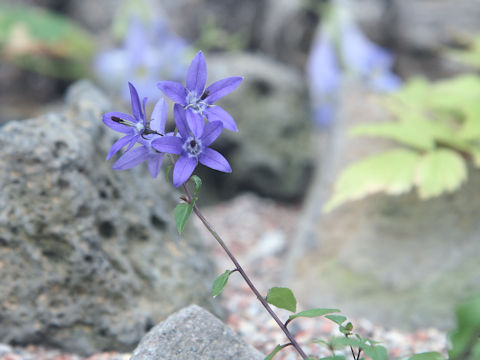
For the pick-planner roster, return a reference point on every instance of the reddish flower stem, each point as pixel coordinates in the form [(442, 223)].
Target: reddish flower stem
[(244, 275)]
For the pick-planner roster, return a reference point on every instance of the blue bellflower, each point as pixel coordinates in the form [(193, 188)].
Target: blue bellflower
[(324, 79), (137, 129), (198, 102), (368, 60), (192, 146), (148, 53)]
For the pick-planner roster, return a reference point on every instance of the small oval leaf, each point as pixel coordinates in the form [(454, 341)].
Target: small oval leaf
[(338, 319), (282, 298), (428, 356), (182, 212), (220, 283), (197, 183), (313, 313), (274, 352)]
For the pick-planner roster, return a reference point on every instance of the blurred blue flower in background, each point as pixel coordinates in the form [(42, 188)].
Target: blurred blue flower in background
[(324, 74), (340, 49), (150, 52), (367, 60)]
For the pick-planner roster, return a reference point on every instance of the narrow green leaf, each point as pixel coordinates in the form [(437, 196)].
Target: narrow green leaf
[(338, 319), (282, 298), (220, 283), (391, 172), (427, 356), (197, 182), (274, 352), (440, 171), (182, 212), (313, 313)]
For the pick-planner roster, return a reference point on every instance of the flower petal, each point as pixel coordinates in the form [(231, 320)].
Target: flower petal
[(195, 122), (183, 169), (168, 144), (211, 132), (131, 158), (136, 107), (181, 120), (120, 143), (221, 88), (197, 75), (174, 90), (213, 159), (216, 113), (115, 125), (155, 163), (159, 116)]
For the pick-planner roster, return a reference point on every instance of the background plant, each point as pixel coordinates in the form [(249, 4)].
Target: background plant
[(437, 128)]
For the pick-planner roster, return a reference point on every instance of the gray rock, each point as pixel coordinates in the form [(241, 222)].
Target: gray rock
[(89, 257), (193, 334), (271, 152), (395, 260)]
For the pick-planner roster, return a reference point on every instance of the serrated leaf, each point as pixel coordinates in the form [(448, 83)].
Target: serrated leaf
[(274, 352), (438, 172), (391, 172), (182, 213), (416, 134), (338, 319), (470, 129), (313, 313), (427, 356), (455, 93), (282, 298), (220, 283)]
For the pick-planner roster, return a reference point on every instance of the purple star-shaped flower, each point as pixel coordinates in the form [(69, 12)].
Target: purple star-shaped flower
[(133, 127), (192, 146), (138, 130), (198, 101)]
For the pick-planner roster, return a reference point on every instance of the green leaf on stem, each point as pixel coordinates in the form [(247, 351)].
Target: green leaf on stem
[(182, 212), (197, 183), (274, 352), (335, 357), (313, 313), (427, 356), (376, 352), (338, 319), (220, 283), (282, 298)]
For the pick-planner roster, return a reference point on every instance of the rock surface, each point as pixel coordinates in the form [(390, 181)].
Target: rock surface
[(395, 260), (419, 31), (271, 152), (89, 258), (193, 334)]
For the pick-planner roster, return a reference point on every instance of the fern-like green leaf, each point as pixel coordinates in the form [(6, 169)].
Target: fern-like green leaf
[(391, 172), (438, 172)]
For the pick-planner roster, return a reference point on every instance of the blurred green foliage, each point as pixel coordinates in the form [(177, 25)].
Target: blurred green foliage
[(470, 56), (465, 339), (44, 42), (437, 126)]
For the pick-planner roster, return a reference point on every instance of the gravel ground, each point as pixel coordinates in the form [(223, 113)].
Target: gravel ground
[(257, 232)]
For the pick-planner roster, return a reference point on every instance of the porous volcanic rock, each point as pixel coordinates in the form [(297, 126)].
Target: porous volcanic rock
[(89, 257)]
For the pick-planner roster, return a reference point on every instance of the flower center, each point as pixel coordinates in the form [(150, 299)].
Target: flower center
[(192, 146), (195, 103)]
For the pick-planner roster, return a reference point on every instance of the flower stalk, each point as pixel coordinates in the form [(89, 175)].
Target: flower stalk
[(242, 272)]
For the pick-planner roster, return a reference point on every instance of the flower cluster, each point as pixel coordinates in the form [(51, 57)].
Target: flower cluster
[(193, 105)]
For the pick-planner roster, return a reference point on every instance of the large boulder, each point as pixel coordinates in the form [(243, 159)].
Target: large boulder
[(396, 260), (89, 258), (271, 152), (193, 334)]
